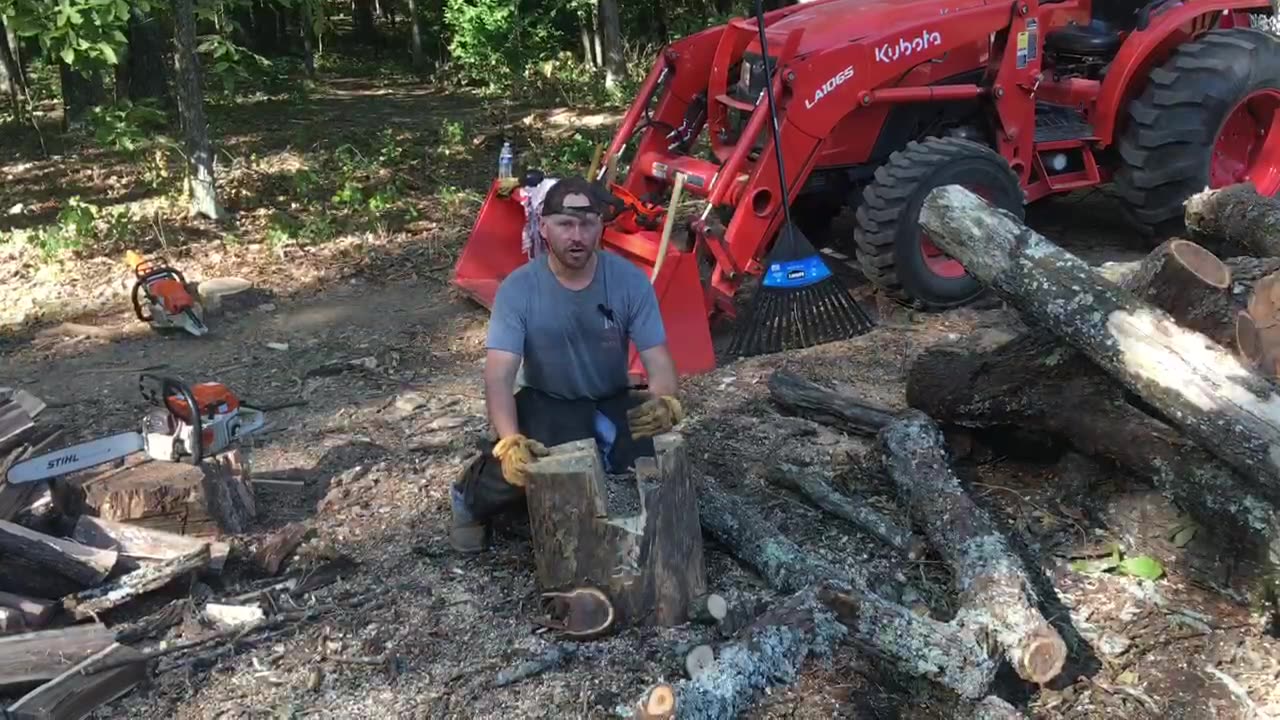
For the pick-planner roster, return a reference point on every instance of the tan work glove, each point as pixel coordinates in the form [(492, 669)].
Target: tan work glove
[(506, 186), (516, 452), (655, 415)]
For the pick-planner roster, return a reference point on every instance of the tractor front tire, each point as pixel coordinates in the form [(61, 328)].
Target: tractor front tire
[(894, 251), (1202, 120)]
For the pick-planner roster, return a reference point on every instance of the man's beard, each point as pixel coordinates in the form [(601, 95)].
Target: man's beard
[(573, 259)]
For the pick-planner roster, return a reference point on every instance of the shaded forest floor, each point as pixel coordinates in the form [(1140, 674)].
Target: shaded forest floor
[(339, 277)]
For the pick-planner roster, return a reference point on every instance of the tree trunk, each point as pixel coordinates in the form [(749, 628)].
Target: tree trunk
[(615, 61), (306, 29), (1199, 386), (10, 73), (81, 93), (147, 68), (415, 36), (366, 30), (649, 563), (200, 180), (996, 594), (1235, 217), (589, 36)]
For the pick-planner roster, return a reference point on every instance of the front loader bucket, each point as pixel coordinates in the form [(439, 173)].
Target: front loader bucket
[(493, 251), (493, 248)]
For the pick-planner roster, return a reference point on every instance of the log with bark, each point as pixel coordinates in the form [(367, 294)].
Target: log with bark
[(148, 578), (76, 693), (949, 654), (1235, 216), (810, 400), (46, 566), (1199, 386), (1037, 382), (46, 654), (995, 592), (139, 546), (650, 563)]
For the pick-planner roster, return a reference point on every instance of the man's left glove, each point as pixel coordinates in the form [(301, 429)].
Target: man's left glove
[(655, 415), (516, 452)]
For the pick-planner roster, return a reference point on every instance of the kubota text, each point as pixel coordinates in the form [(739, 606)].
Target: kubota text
[(890, 51)]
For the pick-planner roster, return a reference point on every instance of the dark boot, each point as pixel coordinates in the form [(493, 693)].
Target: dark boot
[(467, 534)]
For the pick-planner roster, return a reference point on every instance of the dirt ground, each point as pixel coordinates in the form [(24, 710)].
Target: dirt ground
[(379, 443)]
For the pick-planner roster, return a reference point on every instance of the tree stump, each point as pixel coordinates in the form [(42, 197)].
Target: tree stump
[(650, 564)]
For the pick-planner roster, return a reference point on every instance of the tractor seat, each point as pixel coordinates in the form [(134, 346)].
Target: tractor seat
[(1096, 38)]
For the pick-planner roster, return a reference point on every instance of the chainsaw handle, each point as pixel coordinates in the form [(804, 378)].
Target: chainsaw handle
[(172, 386)]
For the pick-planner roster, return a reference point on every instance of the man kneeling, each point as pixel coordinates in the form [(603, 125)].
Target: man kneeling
[(560, 329)]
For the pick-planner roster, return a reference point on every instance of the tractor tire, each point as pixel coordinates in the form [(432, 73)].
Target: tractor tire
[(894, 251), (1202, 120)]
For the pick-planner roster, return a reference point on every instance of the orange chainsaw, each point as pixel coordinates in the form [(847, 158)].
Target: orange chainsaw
[(184, 424), (161, 291)]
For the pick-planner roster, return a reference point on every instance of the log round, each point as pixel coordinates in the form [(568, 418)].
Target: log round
[(1235, 215), (1203, 389)]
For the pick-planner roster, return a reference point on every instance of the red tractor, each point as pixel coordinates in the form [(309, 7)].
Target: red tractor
[(881, 100)]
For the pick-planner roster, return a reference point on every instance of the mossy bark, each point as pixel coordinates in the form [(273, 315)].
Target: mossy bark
[(1235, 216)]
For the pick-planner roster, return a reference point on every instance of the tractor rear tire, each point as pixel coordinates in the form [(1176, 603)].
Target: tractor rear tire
[(1191, 128), (893, 250)]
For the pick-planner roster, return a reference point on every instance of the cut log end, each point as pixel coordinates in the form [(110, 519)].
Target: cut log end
[(1200, 262), (699, 660), (1247, 338), (660, 704), (1042, 655), (709, 609)]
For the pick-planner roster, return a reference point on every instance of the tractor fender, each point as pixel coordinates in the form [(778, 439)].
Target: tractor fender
[(1145, 49), (828, 85)]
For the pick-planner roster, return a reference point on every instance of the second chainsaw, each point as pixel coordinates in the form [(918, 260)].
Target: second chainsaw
[(185, 424)]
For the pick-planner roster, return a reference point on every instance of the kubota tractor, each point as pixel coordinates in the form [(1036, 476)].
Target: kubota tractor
[(882, 100)]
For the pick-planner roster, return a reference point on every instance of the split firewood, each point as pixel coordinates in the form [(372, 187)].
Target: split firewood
[(995, 592), (810, 400), (1196, 384), (813, 484), (76, 694), (708, 609), (270, 557), (657, 704), (226, 616), (145, 579), (948, 654), (45, 654), (1235, 215), (42, 555), (35, 612), (140, 546)]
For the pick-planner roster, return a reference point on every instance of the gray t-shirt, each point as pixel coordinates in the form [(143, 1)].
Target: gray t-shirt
[(570, 348)]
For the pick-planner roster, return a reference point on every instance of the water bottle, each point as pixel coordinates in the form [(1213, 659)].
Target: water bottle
[(506, 162)]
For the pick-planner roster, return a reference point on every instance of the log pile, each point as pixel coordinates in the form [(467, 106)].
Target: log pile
[(87, 548), (1168, 368)]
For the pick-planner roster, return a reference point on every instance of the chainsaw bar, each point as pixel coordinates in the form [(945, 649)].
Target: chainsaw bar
[(75, 457)]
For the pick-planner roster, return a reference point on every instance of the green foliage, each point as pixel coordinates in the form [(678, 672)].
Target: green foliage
[(126, 127), (84, 34), (1142, 566)]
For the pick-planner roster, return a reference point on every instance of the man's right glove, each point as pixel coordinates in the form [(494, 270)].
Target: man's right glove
[(516, 452), (655, 415)]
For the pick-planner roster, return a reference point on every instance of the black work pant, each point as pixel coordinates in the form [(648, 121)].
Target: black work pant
[(551, 421)]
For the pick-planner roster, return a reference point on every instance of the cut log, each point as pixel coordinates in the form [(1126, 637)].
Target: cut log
[(1248, 341), (276, 549), (78, 563), (140, 546), (708, 609), (919, 646), (651, 563), (75, 694), (813, 484), (148, 578), (810, 400), (1264, 313), (995, 592), (700, 660), (11, 621), (1188, 282), (1199, 386), (1235, 215), (206, 501), (46, 654), (657, 704), (1031, 383), (35, 613)]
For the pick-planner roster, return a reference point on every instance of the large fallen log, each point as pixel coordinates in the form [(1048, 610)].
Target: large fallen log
[(948, 654), (995, 592), (1199, 386), (1028, 383), (1235, 215)]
